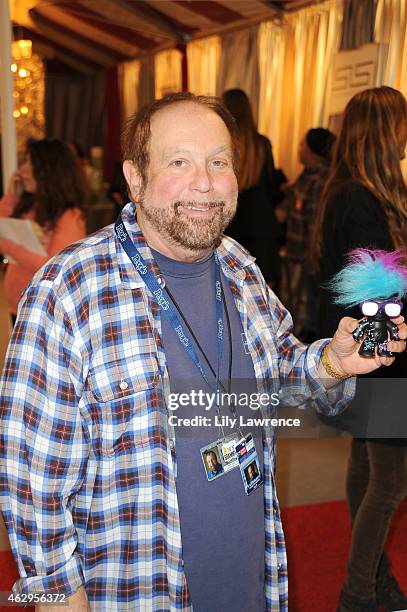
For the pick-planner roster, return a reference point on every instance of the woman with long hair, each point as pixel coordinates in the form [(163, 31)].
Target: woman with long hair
[(365, 205), (255, 225), (48, 189)]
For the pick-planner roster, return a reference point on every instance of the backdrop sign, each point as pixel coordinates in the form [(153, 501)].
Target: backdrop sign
[(353, 71)]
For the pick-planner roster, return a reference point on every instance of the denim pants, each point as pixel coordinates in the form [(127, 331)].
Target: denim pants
[(376, 484)]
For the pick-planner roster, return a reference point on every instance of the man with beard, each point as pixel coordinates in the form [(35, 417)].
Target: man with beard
[(105, 502)]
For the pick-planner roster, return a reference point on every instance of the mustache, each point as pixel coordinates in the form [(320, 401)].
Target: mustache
[(210, 204)]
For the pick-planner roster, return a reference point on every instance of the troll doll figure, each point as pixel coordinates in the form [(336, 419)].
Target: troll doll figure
[(375, 280)]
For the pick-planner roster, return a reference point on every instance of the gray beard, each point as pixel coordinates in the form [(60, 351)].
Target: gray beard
[(193, 234)]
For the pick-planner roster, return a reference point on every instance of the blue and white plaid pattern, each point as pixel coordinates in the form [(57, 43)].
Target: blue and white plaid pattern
[(88, 465)]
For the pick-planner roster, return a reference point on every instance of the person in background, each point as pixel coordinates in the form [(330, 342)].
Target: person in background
[(84, 161), (298, 210), (255, 225), (365, 205), (117, 191), (49, 189)]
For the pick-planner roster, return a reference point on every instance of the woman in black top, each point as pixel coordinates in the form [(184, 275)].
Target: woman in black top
[(255, 225), (365, 205)]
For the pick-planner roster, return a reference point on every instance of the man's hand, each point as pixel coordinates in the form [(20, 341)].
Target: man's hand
[(343, 350), (78, 602)]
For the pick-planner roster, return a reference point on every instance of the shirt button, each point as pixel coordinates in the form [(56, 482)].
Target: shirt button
[(123, 385), (279, 566), (171, 443)]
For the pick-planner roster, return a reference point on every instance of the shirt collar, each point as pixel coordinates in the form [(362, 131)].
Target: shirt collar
[(232, 256)]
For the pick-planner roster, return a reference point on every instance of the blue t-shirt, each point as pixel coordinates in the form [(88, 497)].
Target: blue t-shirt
[(222, 528)]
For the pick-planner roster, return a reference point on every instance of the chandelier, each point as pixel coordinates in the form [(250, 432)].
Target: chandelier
[(29, 88)]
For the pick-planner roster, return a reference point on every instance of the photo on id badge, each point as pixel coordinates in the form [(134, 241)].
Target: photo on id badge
[(220, 457), (249, 464), (212, 463)]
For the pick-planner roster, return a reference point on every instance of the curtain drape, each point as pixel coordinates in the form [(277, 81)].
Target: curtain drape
[(203, 65), (358, 23), (146, 88), (129, 76), (168, 72), (391, 32), (295, 59), (75, 108), (272, 82), (239, 64)]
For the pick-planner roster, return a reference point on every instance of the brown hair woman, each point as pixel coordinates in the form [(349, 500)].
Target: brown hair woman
[(365, 205), (255, 225), (50, 190)]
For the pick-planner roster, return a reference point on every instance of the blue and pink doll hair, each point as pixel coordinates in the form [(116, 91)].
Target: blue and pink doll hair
[(371, 274)]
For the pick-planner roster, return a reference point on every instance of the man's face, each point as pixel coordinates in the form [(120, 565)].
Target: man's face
[(191, 190), (211, 461)]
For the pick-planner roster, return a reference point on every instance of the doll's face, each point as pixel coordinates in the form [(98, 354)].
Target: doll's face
[(374, 308)]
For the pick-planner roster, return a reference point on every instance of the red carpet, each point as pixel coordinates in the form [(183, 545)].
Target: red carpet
[(318, 537), (8, 575)]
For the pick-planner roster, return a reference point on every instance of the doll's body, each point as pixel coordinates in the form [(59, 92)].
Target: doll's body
[(375, 334)]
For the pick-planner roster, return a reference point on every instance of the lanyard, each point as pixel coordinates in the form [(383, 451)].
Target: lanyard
[(164, 302)]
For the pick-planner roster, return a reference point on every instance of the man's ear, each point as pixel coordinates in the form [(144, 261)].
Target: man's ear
[(133, 179)]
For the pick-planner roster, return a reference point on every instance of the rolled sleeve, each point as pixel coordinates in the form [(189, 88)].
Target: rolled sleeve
[(329, 401), (66, 579), (44, 447), (300, 381)]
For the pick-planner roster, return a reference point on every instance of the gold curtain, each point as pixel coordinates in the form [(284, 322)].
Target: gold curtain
[(129, 85), (295, 57), (168, 72), (391, 31), (239, 64), (203, 57)]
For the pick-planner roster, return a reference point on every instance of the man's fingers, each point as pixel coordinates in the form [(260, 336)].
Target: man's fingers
[(402, 331), (347, 324), (386, 361), (396, 346)]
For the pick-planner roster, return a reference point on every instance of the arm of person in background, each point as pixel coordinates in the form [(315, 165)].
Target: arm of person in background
[(273, 186), (10, 198), (69, 228), (44, 447)]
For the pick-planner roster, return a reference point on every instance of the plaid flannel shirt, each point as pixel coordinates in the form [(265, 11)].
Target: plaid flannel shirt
[(88, 458)]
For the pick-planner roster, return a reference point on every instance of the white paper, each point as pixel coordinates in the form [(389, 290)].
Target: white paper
[(22, 232)]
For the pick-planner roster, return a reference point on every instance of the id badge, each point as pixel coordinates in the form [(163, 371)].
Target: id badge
[(249, 464), (220, 457)]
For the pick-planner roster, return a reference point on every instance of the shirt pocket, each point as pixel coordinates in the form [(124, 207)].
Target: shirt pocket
[(121, 395)]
